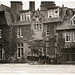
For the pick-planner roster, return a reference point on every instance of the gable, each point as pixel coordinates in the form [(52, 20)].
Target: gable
[(73, 17), (37, 14)]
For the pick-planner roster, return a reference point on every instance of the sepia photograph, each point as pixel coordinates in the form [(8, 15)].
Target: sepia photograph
[(37, 37)]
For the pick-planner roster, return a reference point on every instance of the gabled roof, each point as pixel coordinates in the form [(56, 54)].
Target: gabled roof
[(73, 17), (2, 18), (37, 14), (5, 15)]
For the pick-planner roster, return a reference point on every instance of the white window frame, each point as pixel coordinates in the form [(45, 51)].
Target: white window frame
[(69, 36), (22, 17), (19, 32), (53, 13), (73, 36), (20, 48), (73, 22), (0, 33), (28, 17)]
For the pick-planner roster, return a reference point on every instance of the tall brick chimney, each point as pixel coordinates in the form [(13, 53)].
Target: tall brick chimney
[(47, 5), (32, 5), (16, 6)]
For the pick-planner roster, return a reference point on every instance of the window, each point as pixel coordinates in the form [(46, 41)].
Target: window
[(37, 20), (68, 37), (47, 47), (40, 26), (73, 22), (53, 13), (21, 17), (24, 17), (0, 33), (20, 50), (74, 36), (20, 32), (37, 26), (27, 17), (47, 32), (0, 51)]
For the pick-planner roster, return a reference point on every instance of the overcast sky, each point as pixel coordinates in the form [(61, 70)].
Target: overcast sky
[(67, 3)]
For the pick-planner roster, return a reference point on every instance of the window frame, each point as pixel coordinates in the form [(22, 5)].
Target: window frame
[(20, 48), (54, 13), (74, 36), (19, 32), (0, 33), (47, 32), (24, 17), (73, 22), (37, 26), (68, 34)]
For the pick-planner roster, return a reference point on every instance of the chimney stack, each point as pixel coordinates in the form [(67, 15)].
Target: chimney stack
[(63, 5), (16, 6), (32, 5)]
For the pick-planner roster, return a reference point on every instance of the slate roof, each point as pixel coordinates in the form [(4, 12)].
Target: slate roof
[(66, 22), (5, 16)]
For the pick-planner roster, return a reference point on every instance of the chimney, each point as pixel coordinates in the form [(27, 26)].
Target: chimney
[(32, 5), (45, 5), (16, 6), (63, 5)]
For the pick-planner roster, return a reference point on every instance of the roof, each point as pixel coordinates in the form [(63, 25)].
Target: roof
[(24, 11), (66, 25), (6, 15), (17, 2), (2, 18), (21, 23), (37, 14)]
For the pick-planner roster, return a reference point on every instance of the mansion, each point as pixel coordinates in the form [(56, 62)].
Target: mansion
[(49, 30)]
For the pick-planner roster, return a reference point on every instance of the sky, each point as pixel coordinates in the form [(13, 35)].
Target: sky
[(67, 3)]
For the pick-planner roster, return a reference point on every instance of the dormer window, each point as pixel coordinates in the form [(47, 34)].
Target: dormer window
[(27, 17), (73, 22), (24, 17), (53, 13)]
